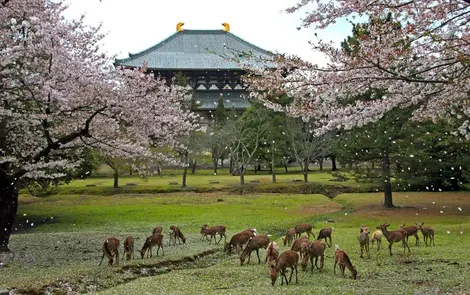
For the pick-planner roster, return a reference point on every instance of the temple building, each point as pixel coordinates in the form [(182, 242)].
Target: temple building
[(201, 57)]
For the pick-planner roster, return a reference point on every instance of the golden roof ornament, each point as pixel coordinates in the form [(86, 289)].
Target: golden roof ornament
[(179, 27), (226, 27)]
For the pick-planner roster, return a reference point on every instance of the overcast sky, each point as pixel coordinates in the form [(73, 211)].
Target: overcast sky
[(136, 25)]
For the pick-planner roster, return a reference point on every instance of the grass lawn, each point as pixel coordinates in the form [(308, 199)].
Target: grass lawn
[(61, 254)]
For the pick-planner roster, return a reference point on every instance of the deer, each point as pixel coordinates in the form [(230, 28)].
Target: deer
[(176, 234), (299, 244), (290, 235), (394, 236), (314, 250), (364, 241), (111, 250), (156, 239), (238, 240), (342, 258), (157, 230), (324, 234), (254, 244), (288, 259), (304, 228), (212, 231), (411, 230), (377, 237), (272, 253), (128, 248), (428, 232)]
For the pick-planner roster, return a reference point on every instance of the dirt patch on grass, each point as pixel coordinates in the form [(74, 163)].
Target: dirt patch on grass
[(317, 210)]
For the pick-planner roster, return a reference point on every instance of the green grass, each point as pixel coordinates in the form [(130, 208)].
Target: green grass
[(65, 251)]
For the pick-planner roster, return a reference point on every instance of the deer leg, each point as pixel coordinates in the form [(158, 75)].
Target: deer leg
[(291, 273), (406, 244), (334, 268), (257, 254), (390, 248), (102, 257), (117, 257), (322, 261)]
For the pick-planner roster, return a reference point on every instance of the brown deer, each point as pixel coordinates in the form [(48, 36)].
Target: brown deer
[(364, 241), (290, 235), (157, 230), (411, 230), (272, 253), (304, 228), (176, 234), (288, 259), (238, 240), (297, 244), (128, 248), (394, 236), (324, 234), (212, 231), (156, 239), (428, 233), (314, 249), (342, 258), (111, 250), (377, 237), (254, 244)]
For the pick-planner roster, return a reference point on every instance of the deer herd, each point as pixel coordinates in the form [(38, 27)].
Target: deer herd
[(302, 248)]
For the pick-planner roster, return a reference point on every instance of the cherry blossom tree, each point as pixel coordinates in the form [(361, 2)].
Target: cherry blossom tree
[(58, 94), (417, 52)]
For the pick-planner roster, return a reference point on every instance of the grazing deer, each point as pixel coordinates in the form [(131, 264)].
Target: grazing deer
[(342, 258), (254, 244), (272, 253), (428, 232), (128, 248), (377, 236), (156, 239), (176, 234), (157, 230), (411, 230), (290, 235), (288, 259), (111, 250), (314, 249), (238, 240), (212, 231), (324, 234), (304, 228), (364, 241), (394, 236), (298, 245)]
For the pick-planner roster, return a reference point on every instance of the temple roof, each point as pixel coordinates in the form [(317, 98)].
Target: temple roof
[(194, 50)]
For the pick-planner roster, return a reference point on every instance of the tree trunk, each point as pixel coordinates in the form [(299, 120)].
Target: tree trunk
[(388, 201), (185, 173), (242, 175), (193, 169), (215, 161), (130, 170), (333, 163), (305, 171), (221, 163), (256, 168), (273, 168), (285, 167), (320, 162), (8, 209), (116, 178), (230, 168)]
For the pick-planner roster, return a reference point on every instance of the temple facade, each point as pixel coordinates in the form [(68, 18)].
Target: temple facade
[(201, 57)]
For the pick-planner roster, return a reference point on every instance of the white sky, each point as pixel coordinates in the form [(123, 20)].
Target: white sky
[(135, 25)]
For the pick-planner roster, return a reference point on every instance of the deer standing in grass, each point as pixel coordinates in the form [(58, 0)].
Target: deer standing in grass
[(377, 237), (394, 236), (238, 240), (272, 253), (325, 233), (299, 244), (342, 258), (428, 233), (156, 239), (364, 241), (314, 250), (176, 234), (111, 250), (304, 228), (157, 230), (290, 235), (254, 244), (288, 259), (128, 248), (212, 231), (411, 230)]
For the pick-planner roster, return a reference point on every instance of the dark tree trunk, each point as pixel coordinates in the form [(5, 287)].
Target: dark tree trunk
[(193, 169), (320, 162), (285, 167), (130, 171), (388, 201), (230, 168), (273, 168), (8, 209), (333, 163), (305, 171), (221, 162), (242, 175), (256, 168), (185, 173), (215, 162), (116, 178)]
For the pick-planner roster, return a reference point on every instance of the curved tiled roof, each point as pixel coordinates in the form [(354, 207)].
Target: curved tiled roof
[(194, 49)]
